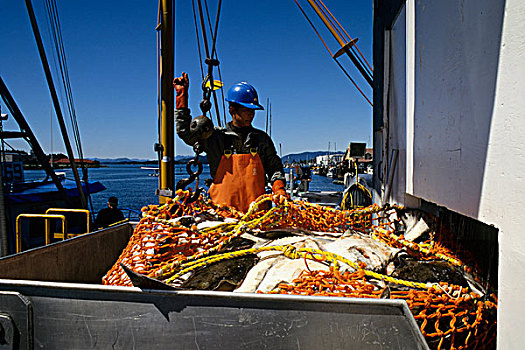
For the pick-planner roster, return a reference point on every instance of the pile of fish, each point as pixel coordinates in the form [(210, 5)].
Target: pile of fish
[(204, 246)]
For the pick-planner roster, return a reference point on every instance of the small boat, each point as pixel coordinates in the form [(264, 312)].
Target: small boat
[(155, 170)]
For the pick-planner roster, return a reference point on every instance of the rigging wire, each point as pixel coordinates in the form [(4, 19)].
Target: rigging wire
[(349, 77), (329, 19), (213, 35), (64, 73), (338, 29), (209, 59), (203, 29), (209, 22), (56, 104), (56, 60), (60, 56), (197, 37), (344, 47), (50, 38), (200, 57), (59, 45), (214, 52), (330, 52), (313, 27), (222, 96), (348, 36)]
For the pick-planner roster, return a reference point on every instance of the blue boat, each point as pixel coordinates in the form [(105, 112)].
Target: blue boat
[(33, 192), (18, 196), (35, 197)]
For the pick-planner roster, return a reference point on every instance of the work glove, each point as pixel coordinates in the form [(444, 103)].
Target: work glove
[(278, 188), (181, 85)]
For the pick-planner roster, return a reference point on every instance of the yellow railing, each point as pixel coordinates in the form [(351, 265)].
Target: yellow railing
[(47, 218), (48, 227), (62, 210)]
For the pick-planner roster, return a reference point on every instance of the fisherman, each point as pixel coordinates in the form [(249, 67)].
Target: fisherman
[(304, 176), (242, 159), (109, 215)]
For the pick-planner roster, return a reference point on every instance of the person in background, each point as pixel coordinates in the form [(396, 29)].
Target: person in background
[(304, 176), (109, 215), (242, 159)]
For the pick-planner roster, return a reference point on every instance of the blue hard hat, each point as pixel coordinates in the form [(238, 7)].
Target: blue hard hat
[(244, 94)]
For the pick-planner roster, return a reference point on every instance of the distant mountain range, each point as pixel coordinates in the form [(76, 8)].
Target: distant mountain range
[(183, 159), (122, 160), (178, 160)]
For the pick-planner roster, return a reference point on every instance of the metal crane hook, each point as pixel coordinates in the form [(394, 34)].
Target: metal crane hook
[(193, 175)]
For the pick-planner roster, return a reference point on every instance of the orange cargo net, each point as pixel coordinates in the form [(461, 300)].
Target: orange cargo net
[(166, 240), (159, 241), (449, 317)]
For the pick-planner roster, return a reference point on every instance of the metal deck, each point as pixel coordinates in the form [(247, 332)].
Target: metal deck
[(48, 315), (51, 298)]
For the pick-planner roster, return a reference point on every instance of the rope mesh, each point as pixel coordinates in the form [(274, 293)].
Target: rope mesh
[(169, 243)]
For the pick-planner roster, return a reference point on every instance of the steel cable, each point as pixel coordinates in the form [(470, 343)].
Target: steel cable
[(214, 53), (339, 29), (56, 35), (197, 37), (348, 36), (331, 55)]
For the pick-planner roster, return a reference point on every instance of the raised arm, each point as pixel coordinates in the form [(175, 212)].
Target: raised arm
[(182, 112), (190, 131)]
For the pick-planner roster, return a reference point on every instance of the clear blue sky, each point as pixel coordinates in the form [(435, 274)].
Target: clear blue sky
[(111, 53)]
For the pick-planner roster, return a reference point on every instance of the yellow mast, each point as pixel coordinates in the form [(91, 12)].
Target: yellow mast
[(166, 175)]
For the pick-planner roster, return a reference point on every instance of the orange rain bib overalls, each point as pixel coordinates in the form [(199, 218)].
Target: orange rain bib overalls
[(239, 180)]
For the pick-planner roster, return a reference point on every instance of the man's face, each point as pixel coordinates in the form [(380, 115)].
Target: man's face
[(242, 116)]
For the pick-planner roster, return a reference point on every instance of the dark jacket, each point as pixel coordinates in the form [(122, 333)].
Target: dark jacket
[(108, 216), (239, 140)]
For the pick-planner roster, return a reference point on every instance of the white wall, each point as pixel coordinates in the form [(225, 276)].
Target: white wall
[(468, 153), (457, 47), (503, 188)]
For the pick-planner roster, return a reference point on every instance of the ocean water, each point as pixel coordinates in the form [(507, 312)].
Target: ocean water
[(135, 188)]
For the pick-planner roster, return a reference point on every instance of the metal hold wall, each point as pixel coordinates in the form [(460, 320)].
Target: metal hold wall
[(66, 316), (457, 48), (468, 151)]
